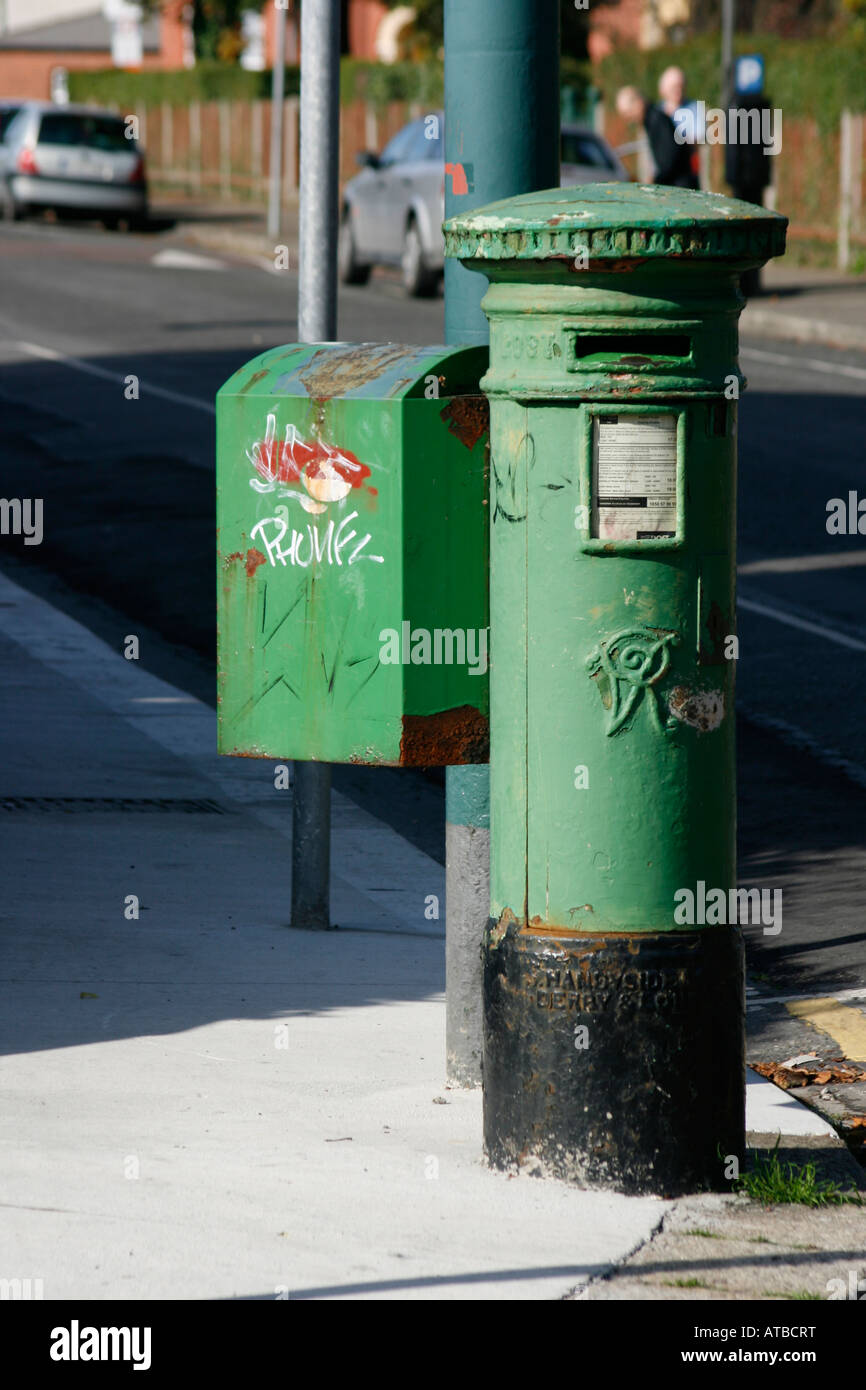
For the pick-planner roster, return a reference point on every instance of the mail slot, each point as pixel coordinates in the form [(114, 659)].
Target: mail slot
[(352, 555)]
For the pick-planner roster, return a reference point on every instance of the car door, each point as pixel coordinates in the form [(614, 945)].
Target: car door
[(369, 189), (431, 189), (585, 158), (398, 167)]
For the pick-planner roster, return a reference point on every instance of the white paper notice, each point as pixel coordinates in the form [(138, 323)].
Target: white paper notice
[(634, 477)]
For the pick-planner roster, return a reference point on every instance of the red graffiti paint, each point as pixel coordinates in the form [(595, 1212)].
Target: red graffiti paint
[(343, 461), (458, 178), (294, 458)]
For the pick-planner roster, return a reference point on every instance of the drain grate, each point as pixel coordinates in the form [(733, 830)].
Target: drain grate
[(136, 805)]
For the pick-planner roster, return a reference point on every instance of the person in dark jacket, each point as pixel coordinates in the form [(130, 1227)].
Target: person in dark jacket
[(747, 163), (671, 158)]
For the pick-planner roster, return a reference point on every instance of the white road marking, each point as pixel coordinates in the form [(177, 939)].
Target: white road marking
[(797, 564), (815, 364), (76, 363), (175, 259), (854, 644), (842, 996), (163, 700)]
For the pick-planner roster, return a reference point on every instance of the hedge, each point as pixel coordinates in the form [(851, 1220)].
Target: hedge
[(207, 81), (378, 83), (817, 77)]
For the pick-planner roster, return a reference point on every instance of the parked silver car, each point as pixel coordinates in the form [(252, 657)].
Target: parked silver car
[(72, 158), (392, 211)]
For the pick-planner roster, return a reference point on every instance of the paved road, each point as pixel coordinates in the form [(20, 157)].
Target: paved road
[(129, 533)]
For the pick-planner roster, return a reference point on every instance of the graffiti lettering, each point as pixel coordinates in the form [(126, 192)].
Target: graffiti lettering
[(308, 545)]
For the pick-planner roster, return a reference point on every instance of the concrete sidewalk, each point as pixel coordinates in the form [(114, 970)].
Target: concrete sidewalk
[(201, 1103), (798, 303), (807, 305)]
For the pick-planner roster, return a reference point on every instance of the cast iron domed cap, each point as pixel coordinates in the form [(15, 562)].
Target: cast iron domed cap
[(617, 221)]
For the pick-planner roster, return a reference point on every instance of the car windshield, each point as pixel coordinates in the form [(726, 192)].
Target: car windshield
[(105, 133), (583, 149)]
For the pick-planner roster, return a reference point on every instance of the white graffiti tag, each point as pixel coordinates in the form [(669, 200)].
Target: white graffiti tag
[(328, 547)]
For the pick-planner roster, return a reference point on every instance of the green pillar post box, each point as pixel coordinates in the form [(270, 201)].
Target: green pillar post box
[(613, 1037), (352, 555)]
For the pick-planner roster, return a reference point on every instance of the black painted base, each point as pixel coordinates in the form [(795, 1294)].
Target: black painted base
[(615, 1061)]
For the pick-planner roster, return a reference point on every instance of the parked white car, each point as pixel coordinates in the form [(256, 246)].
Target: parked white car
[(392, 211)]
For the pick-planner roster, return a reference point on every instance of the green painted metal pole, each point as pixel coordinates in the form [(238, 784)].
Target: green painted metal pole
[(613, 961), (501, 138)]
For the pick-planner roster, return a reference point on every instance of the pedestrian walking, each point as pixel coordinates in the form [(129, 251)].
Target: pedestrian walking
[(684, 114), (671, 158), (747, 163)]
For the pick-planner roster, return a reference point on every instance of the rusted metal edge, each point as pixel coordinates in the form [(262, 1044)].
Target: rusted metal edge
[(446, 738)]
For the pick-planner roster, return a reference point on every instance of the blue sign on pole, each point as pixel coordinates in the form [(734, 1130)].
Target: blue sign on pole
[(749, 74)]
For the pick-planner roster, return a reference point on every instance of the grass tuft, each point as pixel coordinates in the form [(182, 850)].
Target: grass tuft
[(772, 1183)]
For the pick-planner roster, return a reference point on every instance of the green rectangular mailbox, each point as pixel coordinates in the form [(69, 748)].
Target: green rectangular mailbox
[(352, 555)]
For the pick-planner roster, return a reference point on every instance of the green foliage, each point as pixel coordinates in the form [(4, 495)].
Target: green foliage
[(384, 82), (214, 81), (207, 81), (686, 1284), (216, 26), (804, 77), (772, 1182)]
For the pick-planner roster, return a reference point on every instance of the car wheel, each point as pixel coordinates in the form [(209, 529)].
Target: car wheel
[(418, 280), (351, 270), (110, 223)]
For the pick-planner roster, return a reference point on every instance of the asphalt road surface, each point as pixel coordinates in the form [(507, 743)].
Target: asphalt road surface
[(129, 535)]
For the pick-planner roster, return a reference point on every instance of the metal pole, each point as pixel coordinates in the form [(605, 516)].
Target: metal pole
[(727, 49), (275, 184), (317, 322), (502, 126)]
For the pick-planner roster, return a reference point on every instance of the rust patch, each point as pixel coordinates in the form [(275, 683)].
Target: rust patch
[(451, 736), (498, 932), (468, 417), (703, 710), (718, 627), (337, 371), (251, 560), (596, 266), (256, 376)]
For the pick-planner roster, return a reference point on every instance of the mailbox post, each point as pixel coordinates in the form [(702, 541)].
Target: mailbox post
[(613, 1035)]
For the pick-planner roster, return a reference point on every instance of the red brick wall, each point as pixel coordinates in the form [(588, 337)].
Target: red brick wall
[(613, 26), (365, 16), (171, 34), (28, 73)]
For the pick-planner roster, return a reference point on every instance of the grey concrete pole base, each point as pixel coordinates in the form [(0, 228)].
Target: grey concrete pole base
[(467, 851)]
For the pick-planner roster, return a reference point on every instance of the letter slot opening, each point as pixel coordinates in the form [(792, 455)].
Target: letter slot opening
[(621, 346)]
